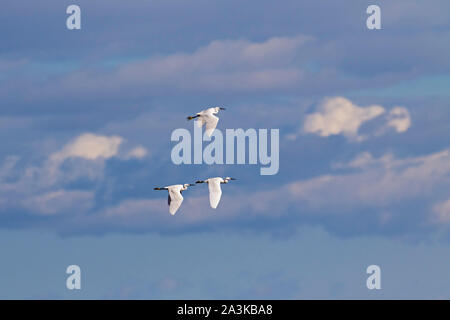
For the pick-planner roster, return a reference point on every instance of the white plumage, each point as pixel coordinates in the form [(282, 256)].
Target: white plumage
[(175, 198), (208, 118), (215, 190)]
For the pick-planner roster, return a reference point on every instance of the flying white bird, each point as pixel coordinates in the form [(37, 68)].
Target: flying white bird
[(207, 117), (215, 191), (175, 198)]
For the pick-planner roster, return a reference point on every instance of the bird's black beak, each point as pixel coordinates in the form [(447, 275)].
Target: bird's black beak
[(198, 181), (192, 185), (233, 179), (222, 108)]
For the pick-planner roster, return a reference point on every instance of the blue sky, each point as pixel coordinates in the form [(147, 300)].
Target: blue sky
[(86, 118)]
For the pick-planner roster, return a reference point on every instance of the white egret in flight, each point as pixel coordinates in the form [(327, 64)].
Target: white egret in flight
[(175, 198), (215, 191), (207, 117)]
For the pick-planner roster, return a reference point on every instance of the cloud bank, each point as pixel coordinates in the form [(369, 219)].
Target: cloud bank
[(340, 116)]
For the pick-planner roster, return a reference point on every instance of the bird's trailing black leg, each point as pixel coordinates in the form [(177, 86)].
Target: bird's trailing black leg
[(192, 117)]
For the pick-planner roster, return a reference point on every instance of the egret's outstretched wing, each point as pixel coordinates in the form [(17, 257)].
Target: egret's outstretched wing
[(215, 192), (211, 123), (199, 122), (175, 200)]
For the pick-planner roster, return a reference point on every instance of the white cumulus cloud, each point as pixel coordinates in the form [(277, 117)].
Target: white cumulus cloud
[(137, 153), (339, 115), (399, 119), (90, 146)]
